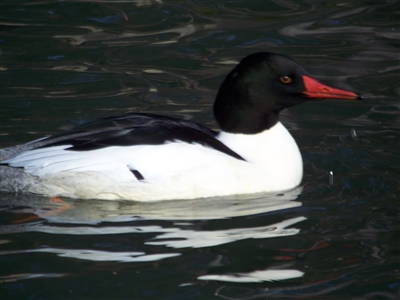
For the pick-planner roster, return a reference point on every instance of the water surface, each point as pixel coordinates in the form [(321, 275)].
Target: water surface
[(64, 63)]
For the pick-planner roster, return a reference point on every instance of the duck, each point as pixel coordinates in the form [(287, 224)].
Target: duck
[(151, 157)]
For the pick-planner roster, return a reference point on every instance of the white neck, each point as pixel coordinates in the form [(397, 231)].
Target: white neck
[(273, 155), (268, 146)]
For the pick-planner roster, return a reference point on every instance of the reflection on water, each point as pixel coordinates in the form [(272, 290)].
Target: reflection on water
[(38, 214), (256, 276), (197, 239), (93, 255), (88, 213), (130, 38), (97, 211), (66, 62)]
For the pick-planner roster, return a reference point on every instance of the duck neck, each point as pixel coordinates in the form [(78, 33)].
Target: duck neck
[(266, 146), (245, 120)]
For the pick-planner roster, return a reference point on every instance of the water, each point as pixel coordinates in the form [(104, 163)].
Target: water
[(337, 236)]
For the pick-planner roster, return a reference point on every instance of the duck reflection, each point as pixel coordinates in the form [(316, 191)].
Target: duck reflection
[(152, 226)]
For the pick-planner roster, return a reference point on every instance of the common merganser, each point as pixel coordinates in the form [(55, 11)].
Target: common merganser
[(145, 157)]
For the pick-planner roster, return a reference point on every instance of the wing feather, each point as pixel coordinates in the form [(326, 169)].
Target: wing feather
[(137, 129)]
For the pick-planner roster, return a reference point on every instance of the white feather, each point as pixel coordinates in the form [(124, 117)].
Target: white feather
[(176, 170)]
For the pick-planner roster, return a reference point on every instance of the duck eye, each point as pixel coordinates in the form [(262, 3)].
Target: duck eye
[(285, 79)]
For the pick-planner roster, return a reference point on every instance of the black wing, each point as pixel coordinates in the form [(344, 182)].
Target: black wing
[(136, 129)]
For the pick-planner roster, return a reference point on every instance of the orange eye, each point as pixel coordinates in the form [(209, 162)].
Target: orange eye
[(285, 79)]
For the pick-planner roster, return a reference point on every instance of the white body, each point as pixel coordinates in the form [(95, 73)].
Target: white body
[(176, 170)]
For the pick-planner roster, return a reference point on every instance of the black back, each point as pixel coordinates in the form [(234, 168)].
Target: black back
[(137, 129)]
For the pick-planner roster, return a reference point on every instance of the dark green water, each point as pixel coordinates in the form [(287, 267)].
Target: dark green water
[(66, 62)]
